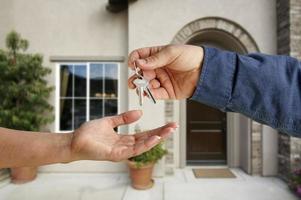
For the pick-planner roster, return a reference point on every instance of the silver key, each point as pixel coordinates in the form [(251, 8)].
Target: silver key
[(142, 85), (149, 94)]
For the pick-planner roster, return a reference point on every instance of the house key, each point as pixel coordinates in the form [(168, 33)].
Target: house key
[(142, 86)]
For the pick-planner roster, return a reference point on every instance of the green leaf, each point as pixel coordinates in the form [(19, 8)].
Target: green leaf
[(153, 155), (23, 88)]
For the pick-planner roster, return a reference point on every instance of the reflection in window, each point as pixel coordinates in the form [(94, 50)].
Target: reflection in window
[(66, 80), (111, 88), (96, 80), (66, 114), (80, 81), (96, 109), (110, 107), (79, 112), (87, 91)]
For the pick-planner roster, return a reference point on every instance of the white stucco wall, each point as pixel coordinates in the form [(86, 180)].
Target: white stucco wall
[(64, 27), (156, 22)]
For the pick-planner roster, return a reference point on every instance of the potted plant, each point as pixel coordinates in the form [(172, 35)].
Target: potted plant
[(24, 94), (295, 182), (141, 167)]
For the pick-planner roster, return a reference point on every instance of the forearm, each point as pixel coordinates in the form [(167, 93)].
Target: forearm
[(263, 87), (20, 148)]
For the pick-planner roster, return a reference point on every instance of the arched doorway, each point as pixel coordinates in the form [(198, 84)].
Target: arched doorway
[(214, 137), (217, 38)]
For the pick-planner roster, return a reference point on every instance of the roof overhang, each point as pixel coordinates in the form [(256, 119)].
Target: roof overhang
[(116, 6)]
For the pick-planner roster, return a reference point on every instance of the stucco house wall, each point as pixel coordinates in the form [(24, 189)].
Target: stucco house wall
[(85, 28)]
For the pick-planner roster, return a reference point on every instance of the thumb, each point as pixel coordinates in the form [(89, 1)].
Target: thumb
[(125, 118), (160, 59)]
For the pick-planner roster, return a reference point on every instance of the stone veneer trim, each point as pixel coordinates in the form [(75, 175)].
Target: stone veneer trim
[(289, 43)]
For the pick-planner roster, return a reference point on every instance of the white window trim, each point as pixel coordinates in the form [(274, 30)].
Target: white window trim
[(57, 90)]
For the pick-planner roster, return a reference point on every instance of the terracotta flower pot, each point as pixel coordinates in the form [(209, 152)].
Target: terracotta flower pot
[(141, 176), (21, 175)]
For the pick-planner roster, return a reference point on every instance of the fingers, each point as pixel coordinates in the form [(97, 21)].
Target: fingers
[(132, 145), (149, 139), (157, 60), (161, 131), (160, 93), (131, 85), (146, 145), (142, 53), (153, 57), (128, 151), (125, 118), (149, 74), (153, 83)]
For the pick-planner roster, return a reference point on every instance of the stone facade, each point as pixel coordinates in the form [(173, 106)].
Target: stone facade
[(289, 43), (169, 144), (256, 152), (284, 156), (193, 28)]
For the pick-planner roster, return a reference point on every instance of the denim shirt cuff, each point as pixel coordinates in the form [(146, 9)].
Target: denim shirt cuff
[(216, 79)]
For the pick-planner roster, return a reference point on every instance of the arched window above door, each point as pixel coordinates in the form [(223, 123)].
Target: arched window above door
[(218, 32)]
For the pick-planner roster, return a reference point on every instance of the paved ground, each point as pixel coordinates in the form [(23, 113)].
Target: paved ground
[(181, 186)]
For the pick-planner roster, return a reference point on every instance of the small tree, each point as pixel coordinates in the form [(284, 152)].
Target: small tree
[(23, 89)]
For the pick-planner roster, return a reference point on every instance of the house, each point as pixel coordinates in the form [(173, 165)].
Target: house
[(86, 44)]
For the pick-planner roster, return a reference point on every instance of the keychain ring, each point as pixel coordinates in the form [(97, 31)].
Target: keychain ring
[(138, 72)]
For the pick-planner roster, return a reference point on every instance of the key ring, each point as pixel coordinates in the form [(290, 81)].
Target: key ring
[(140, 76)]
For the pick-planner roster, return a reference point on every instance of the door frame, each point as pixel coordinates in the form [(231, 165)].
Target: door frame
[(233, 139)]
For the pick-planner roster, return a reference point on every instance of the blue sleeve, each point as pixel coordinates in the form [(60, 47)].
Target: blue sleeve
[(263, 87)]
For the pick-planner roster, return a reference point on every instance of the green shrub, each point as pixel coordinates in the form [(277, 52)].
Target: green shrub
[(153, 155), (23, 89), (295, 182)]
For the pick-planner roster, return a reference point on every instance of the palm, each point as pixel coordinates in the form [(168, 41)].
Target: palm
[(171, 84), (97, 139)]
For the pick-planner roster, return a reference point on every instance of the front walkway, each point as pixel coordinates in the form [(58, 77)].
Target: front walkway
[(180, 186)]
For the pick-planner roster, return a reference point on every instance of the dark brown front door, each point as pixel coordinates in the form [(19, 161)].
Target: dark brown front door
[(206, 134)]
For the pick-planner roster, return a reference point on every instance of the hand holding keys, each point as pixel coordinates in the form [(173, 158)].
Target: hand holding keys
[(142, 86)]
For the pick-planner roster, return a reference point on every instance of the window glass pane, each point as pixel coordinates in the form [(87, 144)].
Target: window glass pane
[(79, 112), (110, 107), (66, 114), (96, 109), (96, 80), (111, 82), (66, 80), (73, 93), (80, 81)]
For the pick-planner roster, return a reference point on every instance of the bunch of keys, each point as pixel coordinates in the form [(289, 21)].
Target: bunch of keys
[(142, 86)]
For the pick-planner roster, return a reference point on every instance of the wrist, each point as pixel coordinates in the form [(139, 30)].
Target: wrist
[(66, 155), (194, 80), (197, 69)]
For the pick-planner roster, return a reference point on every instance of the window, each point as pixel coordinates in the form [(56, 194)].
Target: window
[(86, 91)]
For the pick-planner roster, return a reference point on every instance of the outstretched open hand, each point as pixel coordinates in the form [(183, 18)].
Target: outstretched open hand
[(97, 139)]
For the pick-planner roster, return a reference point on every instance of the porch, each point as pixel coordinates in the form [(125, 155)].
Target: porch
[(115, 186)]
